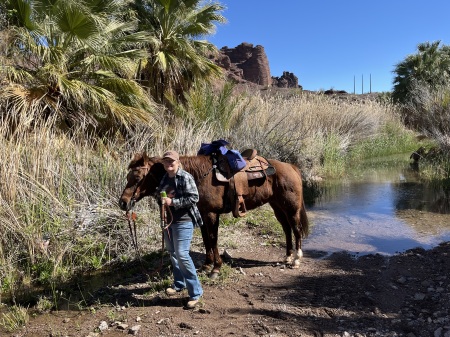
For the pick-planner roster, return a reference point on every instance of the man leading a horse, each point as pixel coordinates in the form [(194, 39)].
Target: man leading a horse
[(282, 189), (180, 198)]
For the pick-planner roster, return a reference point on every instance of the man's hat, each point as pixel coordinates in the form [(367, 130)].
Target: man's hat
[(172, 155)]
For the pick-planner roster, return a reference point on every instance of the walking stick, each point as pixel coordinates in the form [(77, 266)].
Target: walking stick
[(163, 210), (163, 222)]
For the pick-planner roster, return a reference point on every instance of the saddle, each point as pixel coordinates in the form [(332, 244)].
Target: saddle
[(256, 167)]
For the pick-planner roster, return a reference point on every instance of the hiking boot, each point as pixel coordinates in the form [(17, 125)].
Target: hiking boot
[(191, 304), (171, 292)]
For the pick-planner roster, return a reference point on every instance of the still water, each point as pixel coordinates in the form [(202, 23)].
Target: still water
[(382, 208)]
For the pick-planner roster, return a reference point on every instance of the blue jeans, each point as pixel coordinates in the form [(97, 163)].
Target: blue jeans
[(177, 244)]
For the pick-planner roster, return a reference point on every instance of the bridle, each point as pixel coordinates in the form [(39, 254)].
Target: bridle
[(139, 183)]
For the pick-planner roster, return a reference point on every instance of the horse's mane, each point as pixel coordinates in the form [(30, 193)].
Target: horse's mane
[(196, 165), (141, 159)]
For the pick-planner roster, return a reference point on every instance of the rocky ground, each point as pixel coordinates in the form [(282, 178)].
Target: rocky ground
[(329, 295)]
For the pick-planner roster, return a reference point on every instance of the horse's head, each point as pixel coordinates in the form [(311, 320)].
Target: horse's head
[(144, 175)]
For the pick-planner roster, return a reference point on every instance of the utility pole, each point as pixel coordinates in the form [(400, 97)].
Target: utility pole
[(362, 84), (370, 83)]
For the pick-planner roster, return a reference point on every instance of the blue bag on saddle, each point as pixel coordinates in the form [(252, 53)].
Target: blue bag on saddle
[(214, 147), (235, 160)]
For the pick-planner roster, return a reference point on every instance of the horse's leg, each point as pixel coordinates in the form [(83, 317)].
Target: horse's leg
[(211, 221), (217, 259), (283, 220), (295, 221), (209, 253), (300, 226), (291, 219)]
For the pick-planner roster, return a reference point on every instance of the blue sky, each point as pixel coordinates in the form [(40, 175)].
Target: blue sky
[(327, 44)]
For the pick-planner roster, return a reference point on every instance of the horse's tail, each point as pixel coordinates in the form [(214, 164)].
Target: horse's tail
[(304, 222)]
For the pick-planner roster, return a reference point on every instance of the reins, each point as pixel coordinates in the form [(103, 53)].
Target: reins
[(131, 217)]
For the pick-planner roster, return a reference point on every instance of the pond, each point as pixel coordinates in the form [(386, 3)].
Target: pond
[(381, 207)]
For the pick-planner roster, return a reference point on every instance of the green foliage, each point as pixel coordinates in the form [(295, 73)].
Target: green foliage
[(158, 285), (428, 111), (218, 107), (89, 253), (265, 224), (115, 316), (226, 275), (76, 63), (393, 138), (16, 317), (334, 156), (430, 66), (436, 170), (227, 220), (44, 304), (177, 56)]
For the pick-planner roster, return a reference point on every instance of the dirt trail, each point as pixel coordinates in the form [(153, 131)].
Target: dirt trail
[(404, 295)]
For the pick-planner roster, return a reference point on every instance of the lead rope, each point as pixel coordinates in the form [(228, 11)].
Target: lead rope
[(131, 217)]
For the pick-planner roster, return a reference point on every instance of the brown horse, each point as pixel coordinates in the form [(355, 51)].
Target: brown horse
[(283, 191)]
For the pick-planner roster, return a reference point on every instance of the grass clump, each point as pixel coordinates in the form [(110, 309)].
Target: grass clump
[(15, 318)]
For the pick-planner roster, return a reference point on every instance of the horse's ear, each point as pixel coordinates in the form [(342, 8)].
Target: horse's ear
[(137, 156)]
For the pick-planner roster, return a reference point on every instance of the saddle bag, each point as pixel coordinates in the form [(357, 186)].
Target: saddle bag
[(235, 160)]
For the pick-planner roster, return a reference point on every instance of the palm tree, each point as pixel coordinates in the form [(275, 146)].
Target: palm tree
[(177, 56), (430, 66), (75, 60)]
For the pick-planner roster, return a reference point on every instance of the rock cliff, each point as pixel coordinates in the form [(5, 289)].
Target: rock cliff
[(247, 63)]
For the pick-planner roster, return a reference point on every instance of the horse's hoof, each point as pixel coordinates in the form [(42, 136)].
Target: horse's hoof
[(206, 268), (213, 275), (288, 259), (296, 264)]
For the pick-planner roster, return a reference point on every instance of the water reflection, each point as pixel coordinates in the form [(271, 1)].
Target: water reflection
[(382, 207)]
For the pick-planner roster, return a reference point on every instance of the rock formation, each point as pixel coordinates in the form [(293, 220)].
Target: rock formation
[(249, 64), (287, 80)]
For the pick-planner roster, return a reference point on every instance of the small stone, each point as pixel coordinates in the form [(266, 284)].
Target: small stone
[(401, 280), (185, 326), (162, 321), (122, 326), (419, 296), (103, 326), (438, 332), (134, 330)]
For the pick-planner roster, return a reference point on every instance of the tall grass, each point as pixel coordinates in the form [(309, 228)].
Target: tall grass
[(59, 194), (319, 133), (428, 110)]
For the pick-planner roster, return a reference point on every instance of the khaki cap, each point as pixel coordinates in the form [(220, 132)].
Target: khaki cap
[(172, 155)]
